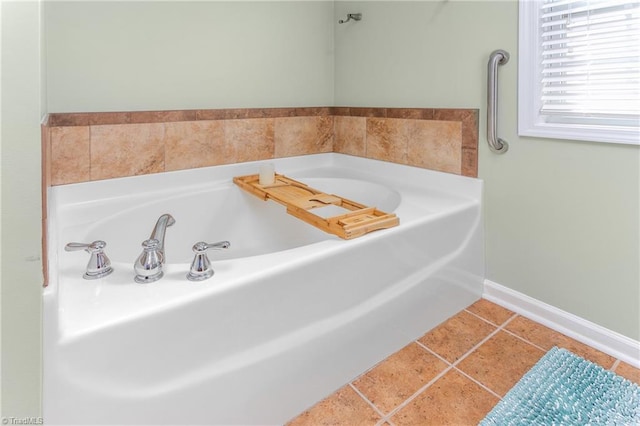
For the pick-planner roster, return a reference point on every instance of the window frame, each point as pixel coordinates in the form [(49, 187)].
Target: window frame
[(530, 121)]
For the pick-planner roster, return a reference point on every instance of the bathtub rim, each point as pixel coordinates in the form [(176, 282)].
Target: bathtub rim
[(203, 176), (464, 188)]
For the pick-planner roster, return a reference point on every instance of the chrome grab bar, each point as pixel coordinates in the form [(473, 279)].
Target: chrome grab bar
[(497, 145)]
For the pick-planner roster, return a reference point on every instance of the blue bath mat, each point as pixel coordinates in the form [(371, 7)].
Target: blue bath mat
[(564, 389)]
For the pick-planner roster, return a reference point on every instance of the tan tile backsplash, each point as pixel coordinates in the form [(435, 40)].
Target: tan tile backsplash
[(387, 139), (303, 135), (70, 154), (435, 145), (94, 146), (192, 144), (120, 150), (350, 135), (250, 139)]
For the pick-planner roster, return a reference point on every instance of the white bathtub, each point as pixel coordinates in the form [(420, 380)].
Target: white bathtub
[(291, 314)]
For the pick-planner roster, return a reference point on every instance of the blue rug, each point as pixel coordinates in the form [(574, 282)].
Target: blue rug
[(564, 389)]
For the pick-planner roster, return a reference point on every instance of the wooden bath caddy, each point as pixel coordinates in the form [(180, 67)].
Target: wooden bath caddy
[(300, 198)]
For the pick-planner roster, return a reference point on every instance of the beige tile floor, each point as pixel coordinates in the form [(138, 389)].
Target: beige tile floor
[(453, 375)]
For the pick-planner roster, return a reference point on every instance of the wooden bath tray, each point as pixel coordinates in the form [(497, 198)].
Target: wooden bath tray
[(300, 198)]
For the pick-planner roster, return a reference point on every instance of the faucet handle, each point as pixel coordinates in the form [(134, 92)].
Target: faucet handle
[(99, 265), (201, 266), (201, 247)]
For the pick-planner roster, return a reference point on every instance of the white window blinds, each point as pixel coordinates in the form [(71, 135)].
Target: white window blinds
[(590, 61)]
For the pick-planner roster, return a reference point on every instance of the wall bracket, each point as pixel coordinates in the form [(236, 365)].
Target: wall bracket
[(350, 16)]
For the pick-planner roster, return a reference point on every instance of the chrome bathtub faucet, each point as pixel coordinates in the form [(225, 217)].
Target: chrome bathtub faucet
[(148, 266), (201, 266), (99, 264)]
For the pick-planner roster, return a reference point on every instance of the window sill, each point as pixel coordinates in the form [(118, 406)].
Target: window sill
[(582, 133)]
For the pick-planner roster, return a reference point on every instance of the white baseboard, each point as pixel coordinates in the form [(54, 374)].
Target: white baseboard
[(603, 339)]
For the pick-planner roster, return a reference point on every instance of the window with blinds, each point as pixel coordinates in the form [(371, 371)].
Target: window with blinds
[(582, 61)]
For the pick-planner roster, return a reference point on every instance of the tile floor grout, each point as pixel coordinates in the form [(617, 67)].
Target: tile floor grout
[(418, 392), (453, 366), (483, 341), (615, 365), (478, 383), (525, 340), (425, 347), (482, 318), (376, 409)]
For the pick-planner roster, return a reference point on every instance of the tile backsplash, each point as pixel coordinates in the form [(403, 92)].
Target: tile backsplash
[(82, 147)]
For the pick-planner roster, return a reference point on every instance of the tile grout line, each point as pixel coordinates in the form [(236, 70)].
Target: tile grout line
[(449, 368), (433, 353), (612, 368), (526, 341), (416, 393), (483, 341), (508, 331), (384, 421), (615, 365), (545, 350), (498, 329), (478, 383), (376, 409), (386, 418), (485, 319), (501, 327)]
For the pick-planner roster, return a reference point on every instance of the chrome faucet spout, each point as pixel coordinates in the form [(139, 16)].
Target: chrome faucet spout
[(159, 231), (148, 266)]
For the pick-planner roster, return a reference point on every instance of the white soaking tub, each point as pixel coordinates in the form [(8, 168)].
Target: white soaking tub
[(291, 313)]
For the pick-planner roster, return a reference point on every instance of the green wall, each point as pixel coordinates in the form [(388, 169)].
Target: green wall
[(561, 217), (115, 56), (20, 268)]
